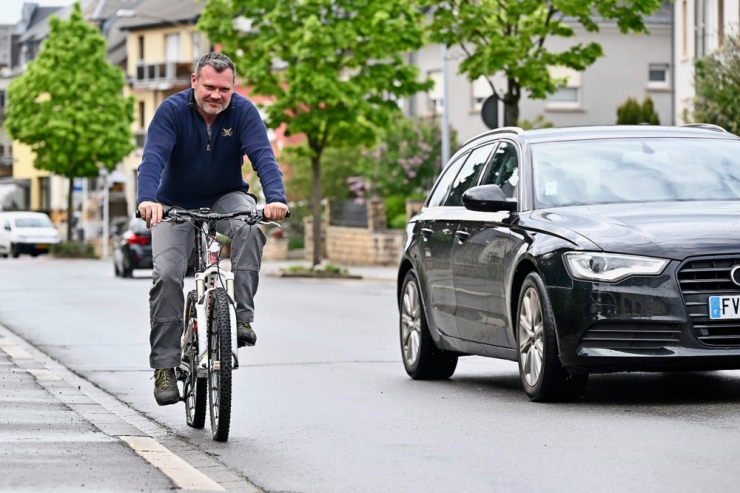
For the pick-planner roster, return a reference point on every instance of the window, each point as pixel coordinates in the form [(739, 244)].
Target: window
[(504, 169), (141, 47), (196, 46), (570, 93), (468, 175), (172, 47), (658, 75), (44, 193), (481, 90), (700, 29), (142, 120), (443, 184), (436, 94)]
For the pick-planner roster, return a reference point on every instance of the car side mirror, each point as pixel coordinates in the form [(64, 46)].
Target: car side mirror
[(7, 227), (488, 198)]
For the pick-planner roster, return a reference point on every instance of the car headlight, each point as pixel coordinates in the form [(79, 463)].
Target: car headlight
[(610, 267)]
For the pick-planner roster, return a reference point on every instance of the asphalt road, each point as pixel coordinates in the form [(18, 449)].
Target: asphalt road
[(322, 403)]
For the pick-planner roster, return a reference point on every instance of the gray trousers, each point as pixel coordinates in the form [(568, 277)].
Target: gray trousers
[(172, 245)]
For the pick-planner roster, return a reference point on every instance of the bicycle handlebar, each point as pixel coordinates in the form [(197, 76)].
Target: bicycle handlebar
[(251, 217)]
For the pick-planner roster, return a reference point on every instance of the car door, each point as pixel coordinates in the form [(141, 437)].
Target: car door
[(436, 232), (481, 244)]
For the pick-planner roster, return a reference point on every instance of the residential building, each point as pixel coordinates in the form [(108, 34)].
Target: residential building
[(700, 28), (633, 65)]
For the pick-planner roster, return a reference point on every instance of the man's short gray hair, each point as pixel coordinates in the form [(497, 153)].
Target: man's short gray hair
[(218, 61)]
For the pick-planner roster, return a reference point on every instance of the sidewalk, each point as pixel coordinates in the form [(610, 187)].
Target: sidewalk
[(60, 433), (368, 273)]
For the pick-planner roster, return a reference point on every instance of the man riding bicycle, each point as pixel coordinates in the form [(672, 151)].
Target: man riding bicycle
[(193, 158)]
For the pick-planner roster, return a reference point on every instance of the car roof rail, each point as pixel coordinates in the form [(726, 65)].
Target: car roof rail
[(515, 130), (707, 126)]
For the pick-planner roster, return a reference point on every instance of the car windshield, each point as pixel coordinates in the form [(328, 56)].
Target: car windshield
[(33, 222), (635, 170)]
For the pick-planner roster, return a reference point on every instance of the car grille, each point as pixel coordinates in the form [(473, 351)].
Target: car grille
[(613, 335), (699, 279)]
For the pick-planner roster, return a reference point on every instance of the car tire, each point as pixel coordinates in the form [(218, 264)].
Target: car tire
[(421, 358), (126, 271), (14, 252), (543, 376)]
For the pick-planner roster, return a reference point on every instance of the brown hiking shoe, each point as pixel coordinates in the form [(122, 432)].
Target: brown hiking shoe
[(245, 336), (165, 387)]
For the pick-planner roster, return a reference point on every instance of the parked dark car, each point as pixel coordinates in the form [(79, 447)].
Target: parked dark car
[(576, 251), (132, 248)]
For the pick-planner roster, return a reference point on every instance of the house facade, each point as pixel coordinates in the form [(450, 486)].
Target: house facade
[(699, 29), (632, 66)]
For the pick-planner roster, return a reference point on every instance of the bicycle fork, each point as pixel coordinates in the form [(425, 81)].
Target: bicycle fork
[(205, 283)]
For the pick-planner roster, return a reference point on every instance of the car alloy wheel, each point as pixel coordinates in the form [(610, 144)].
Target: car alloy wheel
[(543, 376), (411, 323), (531, 329), (422, 359)]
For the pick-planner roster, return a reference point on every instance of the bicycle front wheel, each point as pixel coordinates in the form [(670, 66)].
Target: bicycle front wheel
[(194, 388), (219, 364)]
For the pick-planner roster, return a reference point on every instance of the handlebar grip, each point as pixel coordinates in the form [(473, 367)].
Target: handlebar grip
[(138, 213), (287, 214)]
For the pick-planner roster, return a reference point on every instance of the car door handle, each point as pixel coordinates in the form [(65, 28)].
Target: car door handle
[(427, 232), (462, 235)]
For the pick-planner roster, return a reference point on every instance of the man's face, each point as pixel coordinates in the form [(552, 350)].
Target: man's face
[(213, 90)]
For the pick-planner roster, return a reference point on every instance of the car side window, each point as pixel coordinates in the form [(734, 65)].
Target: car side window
[(443, 184), (504, 169), (468, 175)]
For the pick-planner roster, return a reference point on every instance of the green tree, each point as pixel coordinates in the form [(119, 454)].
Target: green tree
[(68, 105), (633, 113), (508, 36), (334, 68), (717, 84)]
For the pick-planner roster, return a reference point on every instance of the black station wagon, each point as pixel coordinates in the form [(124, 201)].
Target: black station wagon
[(575, 251)]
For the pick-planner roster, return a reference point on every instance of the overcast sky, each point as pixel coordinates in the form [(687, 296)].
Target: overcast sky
[(10, 10)]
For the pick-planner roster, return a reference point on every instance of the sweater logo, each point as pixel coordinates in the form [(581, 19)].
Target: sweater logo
[(228, 132)]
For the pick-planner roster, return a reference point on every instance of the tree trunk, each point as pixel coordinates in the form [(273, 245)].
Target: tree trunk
[(69, 208), (316, 207), (511, 104)]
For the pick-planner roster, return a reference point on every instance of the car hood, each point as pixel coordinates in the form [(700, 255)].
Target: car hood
[(673, 230)]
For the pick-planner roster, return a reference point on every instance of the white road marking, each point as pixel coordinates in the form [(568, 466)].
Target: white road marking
[(180, 472), (12, 350), (42, 374)]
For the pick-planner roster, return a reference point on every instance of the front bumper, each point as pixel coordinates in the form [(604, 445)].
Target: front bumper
[(639, 324)]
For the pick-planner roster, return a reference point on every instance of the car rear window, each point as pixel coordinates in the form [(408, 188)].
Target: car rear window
[(635, 170), (33, 222)]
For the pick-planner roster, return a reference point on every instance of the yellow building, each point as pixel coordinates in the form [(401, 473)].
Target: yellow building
[(162, 47)]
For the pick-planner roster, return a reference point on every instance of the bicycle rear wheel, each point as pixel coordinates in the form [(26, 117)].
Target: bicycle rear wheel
[(194, 388), (219, 365)]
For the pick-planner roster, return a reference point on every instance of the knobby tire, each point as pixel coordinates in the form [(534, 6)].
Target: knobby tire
[(195, 392), (219, 350)]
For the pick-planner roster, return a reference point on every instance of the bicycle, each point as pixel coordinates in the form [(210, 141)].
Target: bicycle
[(207, 362)]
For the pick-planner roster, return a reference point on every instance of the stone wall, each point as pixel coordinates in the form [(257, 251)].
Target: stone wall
[(374, 245)]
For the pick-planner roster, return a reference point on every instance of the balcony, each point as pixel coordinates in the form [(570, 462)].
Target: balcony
[(162, 75)]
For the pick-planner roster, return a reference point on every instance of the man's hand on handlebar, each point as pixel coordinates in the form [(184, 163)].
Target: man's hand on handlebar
[(151, 212), (275, 211)]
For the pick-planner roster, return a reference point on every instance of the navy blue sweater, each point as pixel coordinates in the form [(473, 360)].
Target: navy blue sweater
[(181, 167)]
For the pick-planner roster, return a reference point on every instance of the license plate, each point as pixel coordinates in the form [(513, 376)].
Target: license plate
[(42, 245), (724, 307)]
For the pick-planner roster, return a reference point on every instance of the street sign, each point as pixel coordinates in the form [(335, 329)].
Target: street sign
[(489, 112)]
